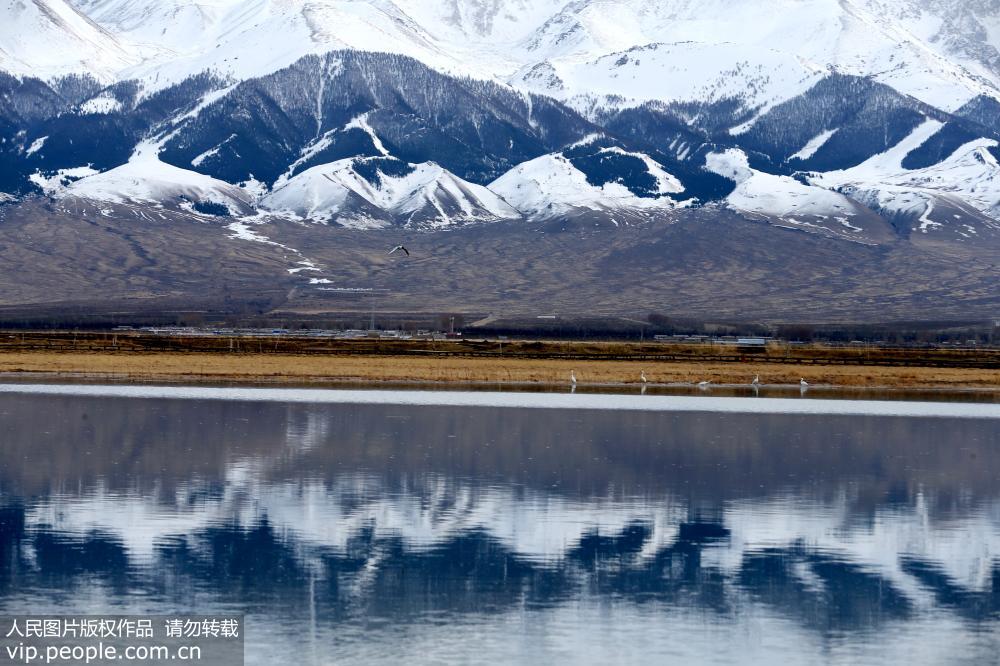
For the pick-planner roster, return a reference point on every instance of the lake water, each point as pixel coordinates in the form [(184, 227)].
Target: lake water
[(479, 528)]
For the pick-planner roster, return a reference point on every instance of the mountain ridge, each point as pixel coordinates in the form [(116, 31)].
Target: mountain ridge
[(858, 122)]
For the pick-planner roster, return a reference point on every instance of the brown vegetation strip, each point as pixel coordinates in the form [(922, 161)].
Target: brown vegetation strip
[(319, 369), (647, 352)]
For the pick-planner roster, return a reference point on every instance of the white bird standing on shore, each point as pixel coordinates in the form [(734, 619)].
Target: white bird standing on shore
[(572, 377), (643, 377), (756, 381), (803, 383)]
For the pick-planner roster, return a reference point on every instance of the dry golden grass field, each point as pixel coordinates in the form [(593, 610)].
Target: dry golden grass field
[(322, 369)]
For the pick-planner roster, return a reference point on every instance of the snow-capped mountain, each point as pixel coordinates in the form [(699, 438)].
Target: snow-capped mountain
[(244, 39), (592, 175), (947, 196), (761, 52), (677, 50), (842, 117), (800, 205), (377, 191), (144, 179), (51, 38)]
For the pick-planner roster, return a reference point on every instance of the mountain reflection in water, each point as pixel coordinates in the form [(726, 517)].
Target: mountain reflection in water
[(378, 533)]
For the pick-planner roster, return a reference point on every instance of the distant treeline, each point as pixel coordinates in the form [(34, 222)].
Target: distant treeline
[(896, 333), (643, 327)]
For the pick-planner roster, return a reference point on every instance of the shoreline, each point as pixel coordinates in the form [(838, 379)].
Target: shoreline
[(559, 401), (515, 373)]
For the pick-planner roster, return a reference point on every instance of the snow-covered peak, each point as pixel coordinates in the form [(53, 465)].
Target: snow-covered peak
[(960, 193), (146, 180), (552, 186), (964, 184), (376, 191), (491, 21), (243, 39), (166, 21), (761, 51), (50, 38), (795, 204)]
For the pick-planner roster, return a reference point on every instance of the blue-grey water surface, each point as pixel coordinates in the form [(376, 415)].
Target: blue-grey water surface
[(447, 533)]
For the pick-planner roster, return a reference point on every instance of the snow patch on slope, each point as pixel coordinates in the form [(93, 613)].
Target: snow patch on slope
[(101, 105), (813, 146), (211, 152), (51, 184), (587, 140), (36, 145), (361, 123)]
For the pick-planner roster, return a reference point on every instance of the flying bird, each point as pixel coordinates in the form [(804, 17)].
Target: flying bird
[(704, 385), (399, 248)]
